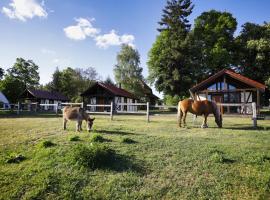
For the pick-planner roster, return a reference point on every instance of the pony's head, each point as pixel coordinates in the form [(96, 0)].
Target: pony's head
[(217, 114)]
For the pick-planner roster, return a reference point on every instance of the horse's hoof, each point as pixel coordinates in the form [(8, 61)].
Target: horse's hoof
[(204, 126)]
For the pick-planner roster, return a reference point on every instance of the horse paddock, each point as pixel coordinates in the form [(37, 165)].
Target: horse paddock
[(164, 162)]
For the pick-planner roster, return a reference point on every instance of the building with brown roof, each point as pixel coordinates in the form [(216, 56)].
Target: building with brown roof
[(103, 93), (227, 86), (42, 97)]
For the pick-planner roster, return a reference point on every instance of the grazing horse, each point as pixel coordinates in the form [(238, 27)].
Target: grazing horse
[(198, 108), (76, 114)]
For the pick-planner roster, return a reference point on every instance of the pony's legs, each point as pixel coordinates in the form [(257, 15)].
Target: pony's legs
[(64, 124), (185, 116), (78, 126), (180, 116), (204, 125)]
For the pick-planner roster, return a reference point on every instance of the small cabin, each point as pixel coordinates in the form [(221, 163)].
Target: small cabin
[(227, 86), (103, 94), (42, 97)]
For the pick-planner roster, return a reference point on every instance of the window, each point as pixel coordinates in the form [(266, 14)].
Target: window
[(212, 87), (231, 87)]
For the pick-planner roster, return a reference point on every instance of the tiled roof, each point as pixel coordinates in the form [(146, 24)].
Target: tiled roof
[(113, 89), (232, 74), (43, 94)]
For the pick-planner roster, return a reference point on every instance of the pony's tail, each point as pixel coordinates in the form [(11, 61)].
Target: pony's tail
[(179, 111)]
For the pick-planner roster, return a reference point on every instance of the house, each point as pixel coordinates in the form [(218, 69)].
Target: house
[(103, 93), (42, 97), (227, 86), (4, 101)]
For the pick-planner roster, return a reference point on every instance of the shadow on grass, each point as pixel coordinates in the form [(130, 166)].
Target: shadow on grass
[(124, 163), (236, 127), (114, 132)]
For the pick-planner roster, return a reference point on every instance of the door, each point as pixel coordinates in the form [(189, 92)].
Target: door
[(100, 102)]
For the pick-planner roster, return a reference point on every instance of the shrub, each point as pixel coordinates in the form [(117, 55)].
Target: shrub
[(46, 144), (217, 157), (74, 138), (93, 156), (128, 141), (15, 158), (97, 138)]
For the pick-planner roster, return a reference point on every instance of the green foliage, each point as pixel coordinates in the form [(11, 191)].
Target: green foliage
[(94, 157), (2, 72), (74, 138), (128, 140), (23, 74), (169, 59), (109, 81), (46, 144), (253, 50), (72, 82), (97, 138), (15, 158), (213, 39), (127, 71), (172, 100)]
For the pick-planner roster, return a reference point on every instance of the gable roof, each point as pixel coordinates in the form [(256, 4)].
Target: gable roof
[(113, 89), (3, 98), (43, 94), (233, 75)]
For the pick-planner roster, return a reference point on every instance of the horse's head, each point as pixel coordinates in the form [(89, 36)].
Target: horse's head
[(217, 114), (90, 123)]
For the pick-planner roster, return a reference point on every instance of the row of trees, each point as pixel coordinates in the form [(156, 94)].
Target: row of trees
[(72, 82), (181, 56), (24, 74)]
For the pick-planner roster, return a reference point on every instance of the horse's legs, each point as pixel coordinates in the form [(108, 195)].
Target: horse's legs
[(64, 124), (180, 116), (80, 123), (204, 125), (185, 116), (78, 126)]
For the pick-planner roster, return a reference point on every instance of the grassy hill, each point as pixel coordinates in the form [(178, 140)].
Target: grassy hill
[(156, 160)]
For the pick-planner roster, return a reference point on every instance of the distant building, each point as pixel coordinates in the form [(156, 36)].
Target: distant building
[(227, 86), (42, 97), (4, 103), (103, 93)]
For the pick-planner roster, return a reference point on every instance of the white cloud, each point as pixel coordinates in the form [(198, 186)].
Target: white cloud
[(84, 29), (81, 30), (113, 39), (25, 9)]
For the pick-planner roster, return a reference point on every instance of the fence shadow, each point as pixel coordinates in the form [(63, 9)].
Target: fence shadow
[(114, 132)]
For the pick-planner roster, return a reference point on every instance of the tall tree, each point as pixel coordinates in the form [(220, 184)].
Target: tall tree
[(25, 71), (2, 72), (169, 58), (109, 81), (127, 71), (213, 41), (253, 51)]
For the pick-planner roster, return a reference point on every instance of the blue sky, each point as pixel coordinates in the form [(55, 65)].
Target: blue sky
[(80, 33)]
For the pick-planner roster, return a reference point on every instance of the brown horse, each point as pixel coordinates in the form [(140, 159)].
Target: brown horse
[(199, 108)]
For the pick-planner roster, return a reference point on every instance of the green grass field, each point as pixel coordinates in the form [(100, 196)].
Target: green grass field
[(162, 162)]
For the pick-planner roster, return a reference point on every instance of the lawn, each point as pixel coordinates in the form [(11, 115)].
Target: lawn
[(160, 161)]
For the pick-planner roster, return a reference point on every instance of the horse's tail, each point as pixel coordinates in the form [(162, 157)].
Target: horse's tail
[(179, 110)]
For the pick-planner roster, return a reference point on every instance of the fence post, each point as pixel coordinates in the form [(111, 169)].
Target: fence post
[(147, 112), (111, 112), (254, 114), (56, 108)]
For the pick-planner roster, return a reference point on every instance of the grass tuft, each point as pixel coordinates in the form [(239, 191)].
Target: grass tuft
[(95, 156), (15, 158), (97, 138), (46, 144), (128, 141), (74, 138)]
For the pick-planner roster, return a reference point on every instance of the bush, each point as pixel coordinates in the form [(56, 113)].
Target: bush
[(74, 138), (128, 141), (94, 156), (46, 144), (15, 158), (217, 157), (97, 138)]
